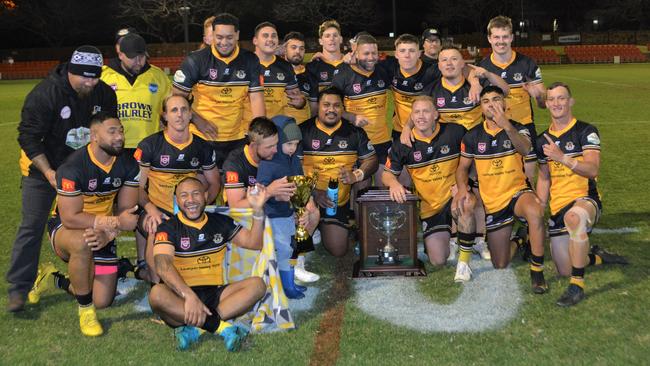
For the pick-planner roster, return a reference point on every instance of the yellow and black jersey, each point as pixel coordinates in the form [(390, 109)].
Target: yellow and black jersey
[(278, 77), (453, 103), (517, 71), (322, 72), (240, 169), (139, 99), (199, 246), (327, 149), (406, 87), (365, 94), (566, 186), (309, 90), (220, 86), (499, 167), (431, 163), (169, 163), (83, 175)]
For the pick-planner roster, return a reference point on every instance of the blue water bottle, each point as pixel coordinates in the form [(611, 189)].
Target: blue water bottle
[(333, 195)]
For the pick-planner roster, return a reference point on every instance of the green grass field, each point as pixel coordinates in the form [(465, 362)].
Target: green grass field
[(610, 327)]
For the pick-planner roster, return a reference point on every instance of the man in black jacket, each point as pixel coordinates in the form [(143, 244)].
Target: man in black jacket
[(54, 123)]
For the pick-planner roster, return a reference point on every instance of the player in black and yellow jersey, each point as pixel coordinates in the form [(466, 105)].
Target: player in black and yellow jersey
[(520, 72), (280, 83), (165, 158), (452, 92), (332, 146), (497, 147), (432, 162), (569, 158), (221, 78), (83, 230), (294, 52), (364, 86), (240, 168), (190, 253), (321, 69)]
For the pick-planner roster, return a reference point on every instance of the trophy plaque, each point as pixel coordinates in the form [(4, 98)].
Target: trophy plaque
[(387, 235)]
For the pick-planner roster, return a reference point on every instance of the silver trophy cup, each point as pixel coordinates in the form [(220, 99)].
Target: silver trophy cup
[(387, 220)]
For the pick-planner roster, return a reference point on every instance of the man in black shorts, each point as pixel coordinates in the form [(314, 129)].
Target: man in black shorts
[(189, 253)]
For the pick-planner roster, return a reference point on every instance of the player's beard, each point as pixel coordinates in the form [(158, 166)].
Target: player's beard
[(112, 150), (367, 65), (295, 60)]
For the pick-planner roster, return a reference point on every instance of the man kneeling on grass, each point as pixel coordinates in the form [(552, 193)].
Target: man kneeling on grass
[(189, 253)]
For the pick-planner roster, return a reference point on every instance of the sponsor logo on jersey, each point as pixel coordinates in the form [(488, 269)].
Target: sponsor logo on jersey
[(370, 147), (232, 177), (181, 157), (65, 112), (418, 86), (497, 163), (194, 162), (218, 238), (467, 101), (444, 149), (517, 76), (429, 149), (381, 84), (153, 88), (67, 185), (280, 76), (507, 144), (240, 74), (162, 236), (137, 155), (593, 138), (343, 144), (107, 180), (569, 146), (179, 77), (267, 73), (201, 237), (117, 182)]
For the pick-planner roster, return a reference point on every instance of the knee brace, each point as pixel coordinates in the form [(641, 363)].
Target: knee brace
[(579, 233)]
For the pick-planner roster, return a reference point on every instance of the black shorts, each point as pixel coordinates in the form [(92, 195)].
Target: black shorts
[(107, 256), (382, 152), (341, 218), (395, 135), (142, 213), (506, 216), (209, 295), (223, 148), (556, 225), (439, 222)]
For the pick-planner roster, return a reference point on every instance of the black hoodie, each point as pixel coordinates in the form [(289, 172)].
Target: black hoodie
[(54, 120)]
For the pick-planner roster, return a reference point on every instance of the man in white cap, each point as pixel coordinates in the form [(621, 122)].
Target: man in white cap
[(54, 123)]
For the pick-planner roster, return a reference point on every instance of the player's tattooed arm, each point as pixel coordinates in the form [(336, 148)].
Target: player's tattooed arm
[(164, 266), (41, 163)]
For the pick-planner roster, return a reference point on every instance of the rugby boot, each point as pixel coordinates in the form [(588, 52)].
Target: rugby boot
[(608, 257), (481, 248), (186, 336), (16, 302), (573, 295), (463, 272), (88, 322), (44, 282), (538, 283), (233, 337), (289, 286)]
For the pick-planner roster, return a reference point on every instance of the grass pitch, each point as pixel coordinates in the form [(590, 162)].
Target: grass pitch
[(610, 327)]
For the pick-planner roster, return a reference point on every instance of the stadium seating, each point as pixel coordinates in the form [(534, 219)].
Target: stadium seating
[(604, 53)]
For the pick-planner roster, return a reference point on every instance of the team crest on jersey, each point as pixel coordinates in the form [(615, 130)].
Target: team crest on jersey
[(395, 81), (92, 184), (315, 144), (517, 76), (306, 86), (164, 160), (153, 88), (418, 86), (280, 76), (356, 88), (507, 144), (218, 238), (343, 144), (240, 74), (117, 182), (251, 180), (323, 75), (194, 162), (440, 102), (213, 74), (444, 149), (185, 243), (467, 101), (417, 156), (569, 146), (482, 146), (381, 84)]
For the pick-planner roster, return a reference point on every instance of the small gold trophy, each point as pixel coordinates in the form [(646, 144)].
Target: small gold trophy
[(305, 185)]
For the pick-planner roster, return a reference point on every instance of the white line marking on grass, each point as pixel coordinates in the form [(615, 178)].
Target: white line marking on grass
[(620, 230), (594, 81), (489, 301)]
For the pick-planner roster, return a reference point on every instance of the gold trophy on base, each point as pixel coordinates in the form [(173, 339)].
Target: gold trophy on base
[(305, 185)]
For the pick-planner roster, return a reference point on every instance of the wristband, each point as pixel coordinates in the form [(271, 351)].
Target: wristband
[(258, 217), (358, 174), (106, 223)]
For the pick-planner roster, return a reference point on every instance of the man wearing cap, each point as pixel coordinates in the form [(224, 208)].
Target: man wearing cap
[(431, 44), (54, 123), (141, 89)]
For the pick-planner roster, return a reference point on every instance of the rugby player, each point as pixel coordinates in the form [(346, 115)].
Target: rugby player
[(83, 230), (208, 37), (332, 146), (280, 83), (432, 162), (165, 158), (364, 86), (221, 78), (321, 69), (497, 147), (294, 44), (569, 158), (196, 295)]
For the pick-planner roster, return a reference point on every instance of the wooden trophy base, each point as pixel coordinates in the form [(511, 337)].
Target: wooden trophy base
[(407, 266)]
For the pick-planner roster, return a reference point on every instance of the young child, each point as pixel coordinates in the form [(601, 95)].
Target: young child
[(285, 163)]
